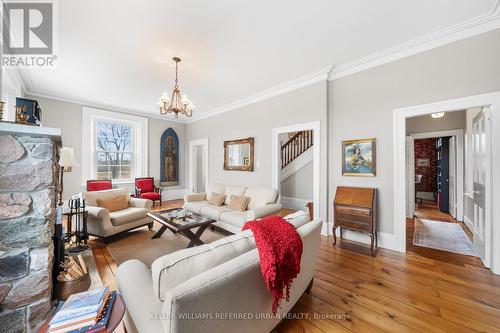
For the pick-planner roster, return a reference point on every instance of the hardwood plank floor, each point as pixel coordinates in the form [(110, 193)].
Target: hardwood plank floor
[(420, 291)]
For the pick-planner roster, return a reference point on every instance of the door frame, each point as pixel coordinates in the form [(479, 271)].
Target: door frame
[(315, 127), (192, 144), (491, 100), (459, 188)]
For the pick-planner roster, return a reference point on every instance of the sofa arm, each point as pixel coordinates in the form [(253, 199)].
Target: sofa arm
[(195, 197), (141, 203), (135, 284), (98, 212), (266, 210)]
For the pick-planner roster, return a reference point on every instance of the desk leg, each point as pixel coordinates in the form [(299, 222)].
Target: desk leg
[(372, 239), (334, 235)]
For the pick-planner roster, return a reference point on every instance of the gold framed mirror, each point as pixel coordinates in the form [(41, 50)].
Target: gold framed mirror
[(238, 155)]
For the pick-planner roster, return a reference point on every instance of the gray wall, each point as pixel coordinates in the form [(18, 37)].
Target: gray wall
[(424, 124), (257, 120), (300, 184), (362, 104), (68, 117)]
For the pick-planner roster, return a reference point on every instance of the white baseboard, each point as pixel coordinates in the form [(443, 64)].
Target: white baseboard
[(468, 223), (294, 203), (173, 194), (385, 240)]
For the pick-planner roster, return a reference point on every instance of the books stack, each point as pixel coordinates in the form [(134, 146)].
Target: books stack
[(88, 311)]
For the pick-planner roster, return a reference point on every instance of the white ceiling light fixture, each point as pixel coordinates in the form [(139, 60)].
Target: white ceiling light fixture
[(175, 104), (437, 115)]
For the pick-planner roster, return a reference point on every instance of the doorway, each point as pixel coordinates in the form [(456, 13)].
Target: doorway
[(198, 165), (310, 137), (489, 104)]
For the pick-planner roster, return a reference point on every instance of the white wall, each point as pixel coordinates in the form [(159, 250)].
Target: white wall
[(68, 117), (300, 184), (424, 124), (362, 104), (257, 120)]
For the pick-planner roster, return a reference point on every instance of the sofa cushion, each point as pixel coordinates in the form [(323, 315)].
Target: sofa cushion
[(298, 218), (216, 199), (195, 206), (233, 190), (234, 217), (127, 215), (215, 188), (214, 211), (117, 203), (239, 203), (179, 266), (151, 196), (91, 197), (261, 196)]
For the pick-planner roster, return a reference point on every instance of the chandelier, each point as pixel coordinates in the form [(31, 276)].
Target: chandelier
[(175, 104)]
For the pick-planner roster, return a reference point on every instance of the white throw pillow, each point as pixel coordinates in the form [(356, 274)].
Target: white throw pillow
[(298, 219)]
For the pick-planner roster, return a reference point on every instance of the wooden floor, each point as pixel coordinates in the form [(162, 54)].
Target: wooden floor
[(391, 292)]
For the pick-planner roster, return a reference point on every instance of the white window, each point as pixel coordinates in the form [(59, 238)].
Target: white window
[(114, 146)]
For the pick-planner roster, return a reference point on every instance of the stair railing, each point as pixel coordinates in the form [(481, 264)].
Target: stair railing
[(295, 146)]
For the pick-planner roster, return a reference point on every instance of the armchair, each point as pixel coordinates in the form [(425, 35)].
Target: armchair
[(145, 188)]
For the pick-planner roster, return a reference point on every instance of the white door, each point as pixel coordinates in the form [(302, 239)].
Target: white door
[(198, 165), (481, 179), (452, 176), (410, 177)]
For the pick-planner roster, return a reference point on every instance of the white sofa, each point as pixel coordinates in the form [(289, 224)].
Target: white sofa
[(103, 223), (264, 201), (216, 287)]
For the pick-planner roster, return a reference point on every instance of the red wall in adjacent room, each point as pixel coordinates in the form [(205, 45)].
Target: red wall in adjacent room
[(426, 149)]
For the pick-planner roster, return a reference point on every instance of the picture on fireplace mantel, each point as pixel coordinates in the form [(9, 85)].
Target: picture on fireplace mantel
[(169, 158), (359, 158)]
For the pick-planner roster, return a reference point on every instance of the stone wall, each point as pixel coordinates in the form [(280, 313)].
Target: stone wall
[(28, 173)]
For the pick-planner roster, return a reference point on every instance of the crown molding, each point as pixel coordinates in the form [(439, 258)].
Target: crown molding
[(297, 83), (469, 28), (106, 107)]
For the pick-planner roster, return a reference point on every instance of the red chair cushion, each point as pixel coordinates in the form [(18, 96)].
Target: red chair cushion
[(145, 185), (98, 185), (151, 196)]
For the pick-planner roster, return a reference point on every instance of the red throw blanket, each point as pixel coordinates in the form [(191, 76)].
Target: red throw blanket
[(280, 250)]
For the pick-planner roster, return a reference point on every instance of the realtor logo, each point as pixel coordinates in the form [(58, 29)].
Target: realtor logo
[(28, 34), (28, 28)]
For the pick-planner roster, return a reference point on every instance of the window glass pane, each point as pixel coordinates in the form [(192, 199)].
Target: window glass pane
[(114, 150)]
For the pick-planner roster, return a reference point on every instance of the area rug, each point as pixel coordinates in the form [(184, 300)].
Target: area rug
[(95, 279), (138, 245), (443, 236)]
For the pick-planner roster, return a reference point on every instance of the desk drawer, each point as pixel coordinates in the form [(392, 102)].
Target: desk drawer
[(354, 225)]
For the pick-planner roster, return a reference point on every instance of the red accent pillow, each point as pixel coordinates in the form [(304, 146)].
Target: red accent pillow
[(98, 185), (151, 196), (145, 185)]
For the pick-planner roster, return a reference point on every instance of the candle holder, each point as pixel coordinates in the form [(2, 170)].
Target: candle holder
[(2, 105), (21, 116)]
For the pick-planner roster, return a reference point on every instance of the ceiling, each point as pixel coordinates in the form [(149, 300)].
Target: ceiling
[(117, 53)]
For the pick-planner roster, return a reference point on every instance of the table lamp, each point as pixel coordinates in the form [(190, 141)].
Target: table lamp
[(66, 162)]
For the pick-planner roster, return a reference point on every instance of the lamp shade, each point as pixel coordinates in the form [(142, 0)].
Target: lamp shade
[(67, 157)]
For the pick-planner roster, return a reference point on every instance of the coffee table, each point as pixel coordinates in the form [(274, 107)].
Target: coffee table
[(182, 227)]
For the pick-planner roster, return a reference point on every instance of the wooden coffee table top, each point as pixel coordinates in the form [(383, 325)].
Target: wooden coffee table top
[(194, 221)]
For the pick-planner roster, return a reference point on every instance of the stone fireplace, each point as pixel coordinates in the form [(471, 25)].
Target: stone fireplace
[(28, 178)]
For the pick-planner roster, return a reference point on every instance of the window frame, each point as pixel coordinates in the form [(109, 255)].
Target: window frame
[(139, 136)]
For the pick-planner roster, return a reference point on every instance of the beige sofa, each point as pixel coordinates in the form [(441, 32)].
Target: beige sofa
[(216, 287), (103, 223), (263, 201)]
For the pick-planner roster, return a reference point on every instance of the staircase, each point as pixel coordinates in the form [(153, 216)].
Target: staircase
[(296, 146)]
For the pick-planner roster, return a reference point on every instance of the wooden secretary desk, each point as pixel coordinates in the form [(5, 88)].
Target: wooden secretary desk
[(355, 209)]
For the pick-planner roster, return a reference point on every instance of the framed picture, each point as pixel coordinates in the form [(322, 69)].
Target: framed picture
[(359, 158), (423, 162)]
